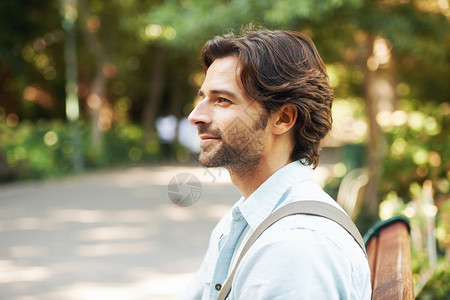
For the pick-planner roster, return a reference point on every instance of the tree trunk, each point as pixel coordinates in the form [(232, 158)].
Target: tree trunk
[(156, 86), (379, 96), (176, 95), (96, 100), (373, 159)]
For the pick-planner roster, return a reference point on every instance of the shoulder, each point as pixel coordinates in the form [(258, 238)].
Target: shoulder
[(303, 255), (290, 240)]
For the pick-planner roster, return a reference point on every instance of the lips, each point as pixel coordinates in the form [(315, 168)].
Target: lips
[(208, 134), (205, 136), (208, 138)]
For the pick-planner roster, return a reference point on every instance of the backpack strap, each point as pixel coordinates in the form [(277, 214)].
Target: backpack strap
[(315, 208)]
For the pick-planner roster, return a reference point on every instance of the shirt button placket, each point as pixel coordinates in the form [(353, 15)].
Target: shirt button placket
[(226, 252)]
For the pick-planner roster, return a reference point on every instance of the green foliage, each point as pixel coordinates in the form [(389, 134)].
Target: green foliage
[(443, 226), (438, 287), (196, 21), (46, 149), (429, 283), (418, 146)]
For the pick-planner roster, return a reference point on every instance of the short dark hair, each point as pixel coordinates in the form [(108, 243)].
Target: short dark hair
[(279, 67)]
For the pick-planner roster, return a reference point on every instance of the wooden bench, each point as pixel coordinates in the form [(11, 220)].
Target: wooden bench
[(389, 255)]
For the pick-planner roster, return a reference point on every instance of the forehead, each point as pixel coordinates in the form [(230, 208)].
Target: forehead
[(223, 73)]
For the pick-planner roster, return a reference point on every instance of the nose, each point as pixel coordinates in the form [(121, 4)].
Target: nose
[(201, 114)]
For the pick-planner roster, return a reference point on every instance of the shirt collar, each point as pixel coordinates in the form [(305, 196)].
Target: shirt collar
[(262, 202)]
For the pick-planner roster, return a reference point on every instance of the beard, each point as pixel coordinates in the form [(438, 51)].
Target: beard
[(239, 147)]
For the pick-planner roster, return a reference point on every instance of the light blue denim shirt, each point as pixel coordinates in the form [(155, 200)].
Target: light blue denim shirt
[(299, 257)]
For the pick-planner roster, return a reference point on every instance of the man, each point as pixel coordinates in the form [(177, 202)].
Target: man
[(265, 105)]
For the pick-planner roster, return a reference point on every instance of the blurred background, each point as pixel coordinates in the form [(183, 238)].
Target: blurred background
[(93, 100)]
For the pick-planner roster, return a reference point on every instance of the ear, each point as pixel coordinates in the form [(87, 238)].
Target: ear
[(284, 119)]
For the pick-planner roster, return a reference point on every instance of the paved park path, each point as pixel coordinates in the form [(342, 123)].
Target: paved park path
[(108, 235)]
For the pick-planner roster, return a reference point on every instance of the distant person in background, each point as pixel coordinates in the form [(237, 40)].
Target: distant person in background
[(166, 126), (188, 138)]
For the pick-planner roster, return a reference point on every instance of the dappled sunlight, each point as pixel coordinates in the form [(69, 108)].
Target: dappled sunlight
[(176, 213), (138, 177), (214, 211), (132, 216), (166, 284), (107, 236), (11, 272), (79, 215), (181, 214), (29, 223), (28, 251), (349, 125), (113, 249), (113, 233), (142, 176), (153, 286), (321, 174), (381, 54), (97, 216)]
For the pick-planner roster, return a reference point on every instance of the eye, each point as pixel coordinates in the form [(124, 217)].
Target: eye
[(223, 100)]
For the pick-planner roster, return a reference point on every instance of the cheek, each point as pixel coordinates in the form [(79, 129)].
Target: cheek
[(232, 119), (223, 118), (253, 114), (239, 132)]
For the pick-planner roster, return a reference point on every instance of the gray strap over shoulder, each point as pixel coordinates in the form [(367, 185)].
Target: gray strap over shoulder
[(315, 208)]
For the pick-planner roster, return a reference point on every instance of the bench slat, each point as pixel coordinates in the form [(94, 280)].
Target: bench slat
[(371, 256), (392, 277)]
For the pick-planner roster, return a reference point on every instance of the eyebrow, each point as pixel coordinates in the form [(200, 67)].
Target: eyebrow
[(216, 92)]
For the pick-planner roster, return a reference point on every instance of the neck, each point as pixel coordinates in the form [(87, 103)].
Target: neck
[(248, 181)]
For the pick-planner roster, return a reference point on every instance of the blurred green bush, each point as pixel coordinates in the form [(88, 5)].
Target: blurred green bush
[(415, 182), (46, 149), (438, 287), (418, 149)]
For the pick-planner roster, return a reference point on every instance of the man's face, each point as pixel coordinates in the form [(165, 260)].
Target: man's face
[(232, 128)]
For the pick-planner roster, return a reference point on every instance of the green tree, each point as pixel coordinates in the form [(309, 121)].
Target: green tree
[(31, 69)]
